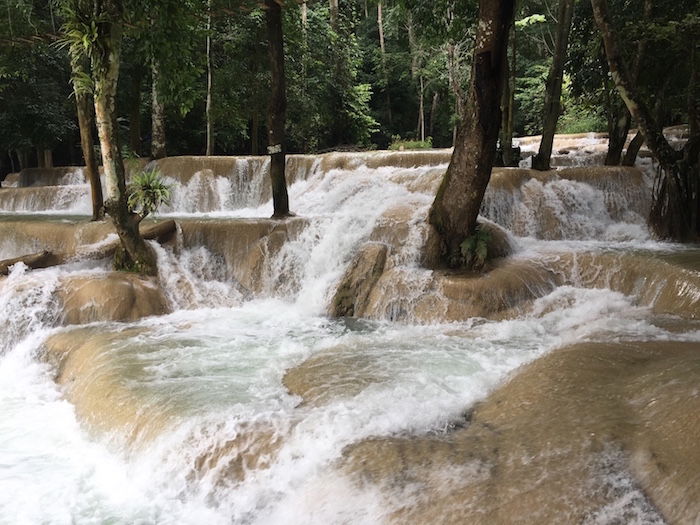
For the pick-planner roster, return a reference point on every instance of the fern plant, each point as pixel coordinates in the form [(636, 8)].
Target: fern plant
[(147, 192), (475, 249)]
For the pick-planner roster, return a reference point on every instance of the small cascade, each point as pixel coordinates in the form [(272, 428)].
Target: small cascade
[(69, 199), (225, 389), (583, 203)]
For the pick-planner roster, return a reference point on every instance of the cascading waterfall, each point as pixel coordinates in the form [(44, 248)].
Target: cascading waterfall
[(247, 404)]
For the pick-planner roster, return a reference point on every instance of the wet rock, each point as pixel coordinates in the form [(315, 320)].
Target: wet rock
[(246, 246), (589, 433), (110, 297), (356, 285), (667, 285), (92, 379)]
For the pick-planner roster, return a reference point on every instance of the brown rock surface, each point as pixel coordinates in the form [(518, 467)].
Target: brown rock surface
[(110, 297), (356, 285), (574, 436)]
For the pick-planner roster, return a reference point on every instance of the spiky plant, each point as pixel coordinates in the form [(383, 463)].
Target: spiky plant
[(147, 192)]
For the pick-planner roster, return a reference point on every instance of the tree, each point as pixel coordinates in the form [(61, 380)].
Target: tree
[(97, 25), (277, 110), (86, 121), (552, 99), (675, 212), (456, 207)]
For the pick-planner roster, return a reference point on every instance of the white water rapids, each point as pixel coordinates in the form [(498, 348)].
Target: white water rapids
[(214, 367)]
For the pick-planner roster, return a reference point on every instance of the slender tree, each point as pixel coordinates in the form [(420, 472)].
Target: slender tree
[(675, 209), (158, 150), (86, 121), (552, 98), (210, 123), (96, 25), (277, 110), (456, 207)]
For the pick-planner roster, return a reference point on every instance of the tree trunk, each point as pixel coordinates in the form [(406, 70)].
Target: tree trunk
[(421, 109), (453, 76), (210, 124), (254, 133), (135, 112), (507, 105), (334, 9), (622, 120), (618, 128), (635, 145), (552, 97), (433, 112), (382, 51), (22, 158), (277, 110), (157, 114), (86, 121), (676, 199), (456, 207), (40, 159), (105, 70)]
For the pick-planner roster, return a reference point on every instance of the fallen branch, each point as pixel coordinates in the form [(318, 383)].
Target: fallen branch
[(162, 232)]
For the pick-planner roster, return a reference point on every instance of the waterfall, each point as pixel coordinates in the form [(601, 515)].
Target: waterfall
[(246, 403)]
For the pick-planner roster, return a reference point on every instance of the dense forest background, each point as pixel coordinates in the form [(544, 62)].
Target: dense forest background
[(361, 74)]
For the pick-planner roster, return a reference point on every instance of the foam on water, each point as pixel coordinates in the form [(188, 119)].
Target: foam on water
[(216, 364)]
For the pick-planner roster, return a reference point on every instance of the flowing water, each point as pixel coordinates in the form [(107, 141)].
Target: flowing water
[(245, 403)]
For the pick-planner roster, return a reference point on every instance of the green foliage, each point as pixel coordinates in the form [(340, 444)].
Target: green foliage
[(397, 143), (475, 248), (147, 192)]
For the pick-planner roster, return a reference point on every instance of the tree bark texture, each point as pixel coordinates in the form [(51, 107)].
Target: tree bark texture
[(210, 123), (507, 105), (675, 207), (105, 71), (456, 207), (633, 148), (552, 97), (158, 150), (618, 127), (334, 10), (86, 121), (277, 110), (623, 118)]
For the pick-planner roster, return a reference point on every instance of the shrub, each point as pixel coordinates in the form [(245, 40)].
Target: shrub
[(147, 192), (398, 144)]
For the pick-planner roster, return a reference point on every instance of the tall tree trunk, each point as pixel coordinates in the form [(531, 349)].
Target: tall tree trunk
[(455, 86), (552, 97), (210, 123), (157, 113), (137, 255), (622, 119), (633, 148), (40, 159), (433, 112), (507, 105), (676, 200), (382, 51), (618, 128), (255, 133), (693, 98), (86, 121), (135, 112), (458, 199), (277, 110), (421, 109), (334, 9)]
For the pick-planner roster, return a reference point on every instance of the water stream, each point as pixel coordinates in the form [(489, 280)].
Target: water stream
[(189, 417)]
